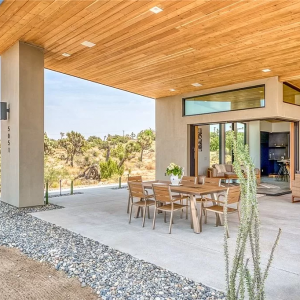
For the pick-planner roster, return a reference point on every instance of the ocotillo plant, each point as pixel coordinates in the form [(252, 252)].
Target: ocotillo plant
[(243, 280)]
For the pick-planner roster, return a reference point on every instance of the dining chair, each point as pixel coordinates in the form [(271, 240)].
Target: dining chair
[(133, 179), (137, 190), (233, 196), (186, 180), (165, 202)]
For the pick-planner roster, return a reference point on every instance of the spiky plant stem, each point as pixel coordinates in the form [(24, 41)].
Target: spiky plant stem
[(238, 274)]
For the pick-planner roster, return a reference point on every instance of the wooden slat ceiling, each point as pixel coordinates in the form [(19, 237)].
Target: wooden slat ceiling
[(214, 43)]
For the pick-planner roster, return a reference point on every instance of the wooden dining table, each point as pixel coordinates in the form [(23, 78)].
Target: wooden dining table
[(194, 191)]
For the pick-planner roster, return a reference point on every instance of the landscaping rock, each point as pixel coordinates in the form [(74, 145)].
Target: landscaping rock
[(111, 273)]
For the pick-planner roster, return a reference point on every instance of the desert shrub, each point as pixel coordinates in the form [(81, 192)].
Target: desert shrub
[(139, 164), (150, 166), (77, 182), (55, 184), (108, 168)]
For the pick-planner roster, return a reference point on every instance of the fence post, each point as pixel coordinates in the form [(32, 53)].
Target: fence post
[(47, 195), (60, 187), (72, 187)]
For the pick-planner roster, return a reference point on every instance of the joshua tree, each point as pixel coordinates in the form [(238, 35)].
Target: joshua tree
[(49, 145), (240, 279), (74, 144), (145, 139)]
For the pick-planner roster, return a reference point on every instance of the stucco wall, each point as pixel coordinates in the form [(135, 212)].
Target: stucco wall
[(22, 135), (172, 140)]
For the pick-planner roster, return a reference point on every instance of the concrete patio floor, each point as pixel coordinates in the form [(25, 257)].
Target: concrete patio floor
[(100, 214)]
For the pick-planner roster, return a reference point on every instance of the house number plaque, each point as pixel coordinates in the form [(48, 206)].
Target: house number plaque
[(8, 138)]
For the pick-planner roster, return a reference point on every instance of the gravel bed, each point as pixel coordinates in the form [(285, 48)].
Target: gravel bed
[(111, 273)]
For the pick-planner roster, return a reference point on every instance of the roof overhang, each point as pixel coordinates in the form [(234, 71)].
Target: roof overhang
[(213, 43)]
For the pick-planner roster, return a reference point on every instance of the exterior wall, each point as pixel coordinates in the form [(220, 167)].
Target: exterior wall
[(172, 139), (22, 135)]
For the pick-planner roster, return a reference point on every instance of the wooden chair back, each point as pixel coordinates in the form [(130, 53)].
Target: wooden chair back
[(136, 189), (212, 181), (233, 194), (162, 193), (295, 185), (134, 179), (188, 180)]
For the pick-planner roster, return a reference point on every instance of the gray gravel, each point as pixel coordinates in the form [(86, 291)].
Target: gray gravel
[(111, 273)]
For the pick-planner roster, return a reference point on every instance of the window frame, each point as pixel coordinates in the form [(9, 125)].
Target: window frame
[(224, 92)]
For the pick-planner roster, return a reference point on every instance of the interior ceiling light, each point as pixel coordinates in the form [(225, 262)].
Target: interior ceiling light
[(88, 44), (266, 70), (196, 84), (156, 9), (172, 90), (66, 54)]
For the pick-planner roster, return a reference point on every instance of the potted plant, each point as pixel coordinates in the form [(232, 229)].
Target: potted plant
[(176, 173)]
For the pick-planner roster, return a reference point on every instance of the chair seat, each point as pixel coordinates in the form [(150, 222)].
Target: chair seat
[(180, 197), (168, 207), (142, 203), (220, 209)]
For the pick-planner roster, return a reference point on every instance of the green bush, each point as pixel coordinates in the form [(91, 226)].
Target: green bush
[(108, 168)]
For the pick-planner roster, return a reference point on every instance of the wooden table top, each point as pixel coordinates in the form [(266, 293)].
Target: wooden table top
[(191, 189)]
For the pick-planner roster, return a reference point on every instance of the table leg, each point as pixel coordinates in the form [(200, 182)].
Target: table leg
[(197, 221)]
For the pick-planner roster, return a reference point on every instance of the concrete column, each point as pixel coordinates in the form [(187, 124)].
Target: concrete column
[(22, 135)]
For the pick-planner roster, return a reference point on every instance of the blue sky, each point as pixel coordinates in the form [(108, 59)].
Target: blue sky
[(93, 109)]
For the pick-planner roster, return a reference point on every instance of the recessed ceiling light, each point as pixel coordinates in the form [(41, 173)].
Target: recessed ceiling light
[(196, 84), (172, 90), (66, 54), (266, 70), (88, 44), (156, 9)]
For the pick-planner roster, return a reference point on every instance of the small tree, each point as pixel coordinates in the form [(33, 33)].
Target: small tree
[(74, 144), (145, 139), (239, 278), (123, 153), (49, 145), (132, 135), (95, 141)]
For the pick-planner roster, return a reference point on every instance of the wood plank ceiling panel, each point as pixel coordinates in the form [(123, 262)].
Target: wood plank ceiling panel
[(214, 43)]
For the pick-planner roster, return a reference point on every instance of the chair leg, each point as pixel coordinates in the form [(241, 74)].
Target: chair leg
[(238, 211), (192, 225), (154, 216), (165, 217), (130, 212), (144, 216), (148, 212), (217, 221), (205, 217), (128, 204), (171, 222), (187, 209)]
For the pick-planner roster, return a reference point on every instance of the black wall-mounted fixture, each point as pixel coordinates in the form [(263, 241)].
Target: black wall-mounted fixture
[(3, 110)]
